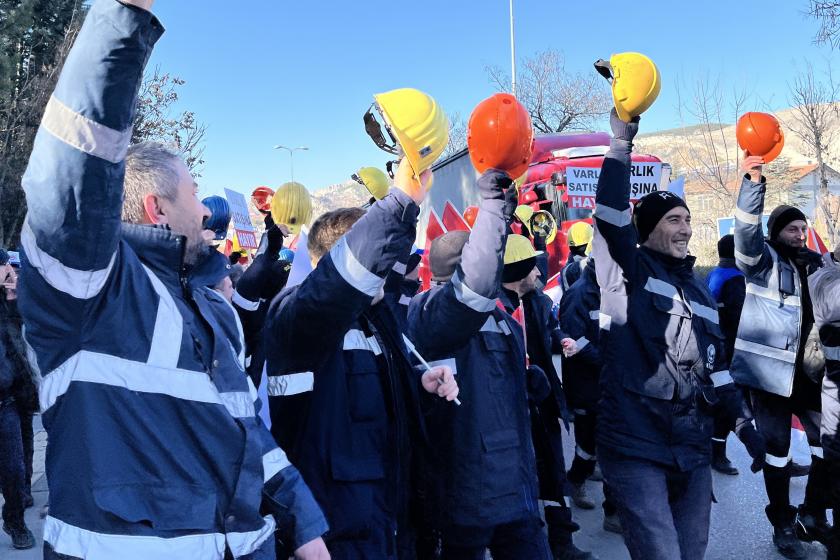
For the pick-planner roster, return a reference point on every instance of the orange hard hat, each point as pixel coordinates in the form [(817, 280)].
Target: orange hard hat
[(500, 136), (760, 135), (261, 197), (470, 214)]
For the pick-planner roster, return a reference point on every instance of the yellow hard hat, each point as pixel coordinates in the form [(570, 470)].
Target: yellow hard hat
[(374, 180), (518, 248), (580, 234), (291, 205), (635, 83), (540, 220), (416, 124)]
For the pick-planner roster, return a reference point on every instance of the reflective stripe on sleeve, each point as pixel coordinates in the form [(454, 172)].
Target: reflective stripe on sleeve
[(245, 304), (617, 218), (471, 299), (290, 384), (353, 272), (84, 134), (746, 259), (747, 218), (273, 462)]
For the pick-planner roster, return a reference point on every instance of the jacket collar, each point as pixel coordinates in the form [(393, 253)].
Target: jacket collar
[(162, 251), (509, 299)]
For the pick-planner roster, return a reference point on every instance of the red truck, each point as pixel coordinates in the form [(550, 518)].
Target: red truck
[(560, 179)]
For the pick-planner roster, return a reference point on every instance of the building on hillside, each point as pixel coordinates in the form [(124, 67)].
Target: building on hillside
[(795, 185)]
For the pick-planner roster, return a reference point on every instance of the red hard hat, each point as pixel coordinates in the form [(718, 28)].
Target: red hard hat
[(499, 135), (261, 197), (470, 214), (760, 135)]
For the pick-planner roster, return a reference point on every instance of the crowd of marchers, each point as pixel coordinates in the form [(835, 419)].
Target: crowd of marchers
[(400, 424)]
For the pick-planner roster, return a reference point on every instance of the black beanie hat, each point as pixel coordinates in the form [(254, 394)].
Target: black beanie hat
[(514, 272), (726, 246), (650, 209), (445, 254), (781, 216)]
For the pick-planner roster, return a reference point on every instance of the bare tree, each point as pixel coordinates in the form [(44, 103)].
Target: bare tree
[(827, 13), (815, 122), (457, 135), (557, 100), (706, 149), (34, 53), (154, 119)]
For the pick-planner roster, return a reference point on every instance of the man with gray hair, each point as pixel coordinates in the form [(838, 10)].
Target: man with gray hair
[(155, 448)]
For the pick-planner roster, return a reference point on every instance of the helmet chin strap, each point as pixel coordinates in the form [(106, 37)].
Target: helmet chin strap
[(604, 68)]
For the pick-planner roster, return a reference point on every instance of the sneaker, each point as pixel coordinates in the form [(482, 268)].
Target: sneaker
[(810, 528), (571, 552), (724, 466), (596, 475), (580, 498), (787, 544), (613, 524), (796, 470), (22, 537)]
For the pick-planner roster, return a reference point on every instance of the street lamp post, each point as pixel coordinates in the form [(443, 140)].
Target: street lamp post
[(291, 156)]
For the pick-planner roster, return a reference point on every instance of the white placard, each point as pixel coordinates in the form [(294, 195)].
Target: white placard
[(582, 182), (241, 219)]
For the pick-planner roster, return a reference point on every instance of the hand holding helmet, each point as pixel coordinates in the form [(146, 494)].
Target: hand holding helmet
[(752, 166), (405, 181)]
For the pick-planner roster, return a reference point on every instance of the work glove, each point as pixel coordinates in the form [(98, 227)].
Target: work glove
[(538, 386), (754, 442), (493, 183), (622, 130), (275, 242)]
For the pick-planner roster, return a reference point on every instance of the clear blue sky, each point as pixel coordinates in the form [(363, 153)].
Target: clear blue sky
[(266, 72)]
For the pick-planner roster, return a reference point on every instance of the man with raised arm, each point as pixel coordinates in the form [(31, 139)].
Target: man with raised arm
[(773, 355), (337, 360), (155, 449), (663, 371), (485, 490)]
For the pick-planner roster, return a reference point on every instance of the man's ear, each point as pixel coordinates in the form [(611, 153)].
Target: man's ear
[(154, 211)]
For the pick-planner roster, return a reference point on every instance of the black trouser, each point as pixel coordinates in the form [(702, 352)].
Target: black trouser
[(12, 470), (28, 437), (510, 541), (583, 465), (773, 419)]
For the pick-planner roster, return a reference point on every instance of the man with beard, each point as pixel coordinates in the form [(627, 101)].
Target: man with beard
[(155, 449), (774, 358)]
